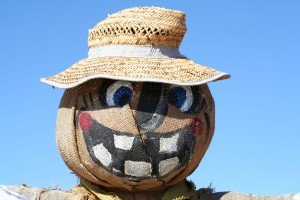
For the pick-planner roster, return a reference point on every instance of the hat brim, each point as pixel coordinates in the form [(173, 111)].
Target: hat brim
[(177, 71)]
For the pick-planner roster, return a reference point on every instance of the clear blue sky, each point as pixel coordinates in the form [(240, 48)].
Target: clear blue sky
[(256, 144)]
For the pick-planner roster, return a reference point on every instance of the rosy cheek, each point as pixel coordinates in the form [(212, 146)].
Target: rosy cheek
[(85, 121), (197, 127)]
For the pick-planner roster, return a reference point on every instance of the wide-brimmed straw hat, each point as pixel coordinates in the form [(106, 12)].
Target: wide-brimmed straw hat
[(137, 44)]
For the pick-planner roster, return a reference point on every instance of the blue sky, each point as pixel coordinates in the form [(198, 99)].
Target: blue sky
[(256, 144)]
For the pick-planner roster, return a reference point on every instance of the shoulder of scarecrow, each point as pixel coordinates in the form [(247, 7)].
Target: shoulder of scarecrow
[(25, 192)]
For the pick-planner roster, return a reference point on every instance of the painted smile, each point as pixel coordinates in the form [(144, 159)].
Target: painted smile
[(139, 157)]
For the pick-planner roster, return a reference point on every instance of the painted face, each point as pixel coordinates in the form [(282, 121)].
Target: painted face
[(136, 136)]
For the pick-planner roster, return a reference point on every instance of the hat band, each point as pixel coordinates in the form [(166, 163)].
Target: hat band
[(134, 51)]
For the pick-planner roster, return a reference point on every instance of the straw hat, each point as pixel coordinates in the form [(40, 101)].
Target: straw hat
[(137, 44)]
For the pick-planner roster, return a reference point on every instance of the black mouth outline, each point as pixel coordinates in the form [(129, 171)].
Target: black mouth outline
[(145, 148)]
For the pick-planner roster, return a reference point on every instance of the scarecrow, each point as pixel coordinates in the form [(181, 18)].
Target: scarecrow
[(137, 116)]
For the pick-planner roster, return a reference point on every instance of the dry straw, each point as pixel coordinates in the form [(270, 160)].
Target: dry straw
[(137, 44)]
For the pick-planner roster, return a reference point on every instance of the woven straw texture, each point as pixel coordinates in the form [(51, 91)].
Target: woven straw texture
[(79, 193), (74, 149), (241, 196), (169, 70), (33, 193), (143, 26)]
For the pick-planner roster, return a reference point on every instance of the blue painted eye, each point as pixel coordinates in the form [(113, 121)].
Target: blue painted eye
[(122, 96), (119, 93), (181, 97)]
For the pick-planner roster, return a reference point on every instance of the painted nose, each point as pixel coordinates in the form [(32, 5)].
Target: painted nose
[(152, 108)]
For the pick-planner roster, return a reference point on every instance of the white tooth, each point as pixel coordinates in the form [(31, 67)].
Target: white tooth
[(168, 144), (123, 142), (166, 166), (102, 154), (137, 168), (116, 170)]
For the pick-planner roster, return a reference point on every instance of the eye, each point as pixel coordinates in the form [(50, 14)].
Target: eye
[(181, 97), (119, 93)]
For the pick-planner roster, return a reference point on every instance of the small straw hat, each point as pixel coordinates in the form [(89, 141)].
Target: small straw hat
[(137, 44)]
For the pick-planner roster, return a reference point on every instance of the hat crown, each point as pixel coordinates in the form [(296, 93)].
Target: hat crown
[(151, 26)]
